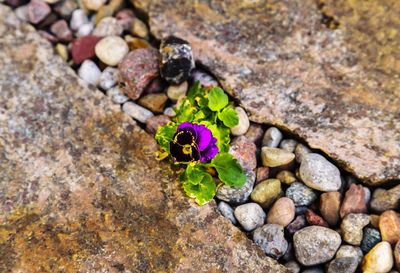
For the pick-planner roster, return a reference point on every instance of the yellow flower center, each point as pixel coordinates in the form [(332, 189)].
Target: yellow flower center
[(187, 149)]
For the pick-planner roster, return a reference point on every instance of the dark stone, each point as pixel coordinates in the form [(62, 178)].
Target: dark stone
[(371, 237)]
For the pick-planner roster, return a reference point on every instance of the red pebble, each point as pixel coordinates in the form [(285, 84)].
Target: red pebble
[(83, 48), (314, 219)]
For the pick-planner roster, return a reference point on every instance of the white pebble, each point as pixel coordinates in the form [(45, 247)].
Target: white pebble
[(85, 30), (272, 137), (108, 78), (89, 72), (108, 26), (175, 92), (244, 123), (169, 111), (78, 19), (116, 95), (136, 111), (22, 13), (94, 4), (111, 50)]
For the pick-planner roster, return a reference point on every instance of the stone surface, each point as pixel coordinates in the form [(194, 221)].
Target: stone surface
[(111, 50), (154, 102), (243, 124), (108, 78), (353, 201), (389, 225), (227, 211), (396, 254), (282, 212), (275, 157), (80, 188), (89, 72), (136, 111), (237, 195), (301, 194), (271, 239), (379, 259), (272, 137), (37, 11), (266, 192), (244, 151), (370, 238), (108, 26), (61, 30), (343, 265), (298, 223), (262, 173), (175, 92), (329, 205), (286, 177), (250, 216), (385, 199), (326, 70), (314, 219), (153, 123), (350, 251), (83, 48), (288, 145), (352, 227)]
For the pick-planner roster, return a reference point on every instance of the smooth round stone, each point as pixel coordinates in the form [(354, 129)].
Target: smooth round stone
[(250, 216), (22, 13), (272, 137), (78, 19), (271, 239), (111, 50), (154, 102), (300, 151), (38, 11), (175, 92), (85, 30), (89, 72), (282, 212), (286, 177), (169, 111), (319, 174), (314, 270), (83, 48), (315, 245), (108, 26), (350, 251), (371, 237), (301, 194), (108, 78), (274, 157), (266, 192), (353, 201), (288, 145), (352, 227), (65, 8), (244, 122), (136, 111), (367, 195), (61, 30), (343, 265), (116, 95), (237, 195), (227, 211), (94, 4), (245, 152), (62, 50), (385, 199), (329, 206), (298, 223), (379, 259), (292, 266), (138, 28), (389, 225)]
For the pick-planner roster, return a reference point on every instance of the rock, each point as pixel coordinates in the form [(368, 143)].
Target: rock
[(153, 123), (49, 37), (315, 245), (314, 219), (169, 111), (350, 251), (137, 70), (243, 124), (176, 60), (329, 207), (301, 151), (111, 50), (353, 201), (62, 50), (396, 254), (385, 199), (272, 137), (262, 174), (136, 111), (47, 21), (93, 4), (14, 3), (89, 72), (83, 48), (245, 152), (154, 102), (289, 255), (108, 10), (288, 145), (52, 1), (318, 173), (175, 92), (298, 223), (271, 239), (22, 13), (274, 157), (293, 266), (108, 78), (65, 8), (157, 85), (286, 177), (227, 212), (139, 28), (266, 192), (61, 30), (255, 133), (125, 18), (237, 195), (78, 19), (85, 30), (374, 220), (314, 270), (343, 265), (389, 225), (301, 194), (379, 259), (367, 195), (136, 43), (352, 227), (108, 26), (117, 95), (371, 237), (301, 210), (205, 79), (250, 216), (282, 212), (37, 11)]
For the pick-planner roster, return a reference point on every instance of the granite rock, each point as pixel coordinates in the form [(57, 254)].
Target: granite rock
[(237, 195), (271, 239)]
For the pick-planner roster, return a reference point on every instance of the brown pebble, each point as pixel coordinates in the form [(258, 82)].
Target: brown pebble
[(286, 177), (61, 30), (262, 173), (282, 212), (314, 219), (353, 201), (154, 102), (244, 151), (255, 133), (374, 220), (389, 225), (396, 253), (329, 207), (153, 123)]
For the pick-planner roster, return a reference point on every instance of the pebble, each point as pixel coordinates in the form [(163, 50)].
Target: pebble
[(396, 254), (22, 13), (389, 225), (301, 194), (245, 152), (237, 195), (78, 19), (137, 70), (205, 79), (298, 223), (314, 270), (289, 254), (116, 95), (111, 50), (301, 210), (274, 157), (250, 216), (108, 78), (135, 43), (300, 151), (371, 237), (262, 173), (85, 30), (47, 21), (315, 245), (266, 192), (83, 48), (139, 28), (157, 85), (51, 1), (37, 11), (227, 211), (350, 251), (272, 137), (89, 72), (329, 206), (62, 50), (66, 7), (379, 259), (169, 111), (154, 102), (367, 195), (175, 92), (255, 133), (61, 30), (314, 219), (319, 174), (352, 227), (271, 239), (153, 123), (125, 18), (288, 145), (93, 4), (292, 266), (243, 124), (176, 60), (108, 26), (385, 199), (374, 220), (49, 37), (343, 265), (282, 212), (353, 201), (136, 111), (286, 177)]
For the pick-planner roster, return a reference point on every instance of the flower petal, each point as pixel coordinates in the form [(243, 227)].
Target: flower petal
[(210, 152), (204, 136)]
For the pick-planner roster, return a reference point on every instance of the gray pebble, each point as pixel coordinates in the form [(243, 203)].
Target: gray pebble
[(169, 111), (89, 72), (116, 95), (136, 111), (227, 212), (314, 270), (301, 194), (108, 26), (22, 13), (108, 78), (343, 265), (272, 137), (350, 251), (300, 151), (288, 145), (237, 195), (371, 237), (85, 29), (271, 239), (250, 216)]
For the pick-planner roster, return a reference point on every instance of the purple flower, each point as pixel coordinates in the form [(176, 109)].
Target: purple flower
[(193, 142)]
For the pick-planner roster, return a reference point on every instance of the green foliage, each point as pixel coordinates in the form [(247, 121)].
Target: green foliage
[(229, 117), (217, 99), (198, 184), (229, 170), (165, 134)]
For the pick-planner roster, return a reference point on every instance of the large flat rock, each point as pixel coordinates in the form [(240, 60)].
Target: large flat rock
[(327, 71), (80, 190)]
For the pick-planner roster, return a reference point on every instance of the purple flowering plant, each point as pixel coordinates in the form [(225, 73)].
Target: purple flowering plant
[(198, 138)]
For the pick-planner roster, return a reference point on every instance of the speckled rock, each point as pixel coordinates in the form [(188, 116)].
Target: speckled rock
[(272, 137), (262, 173), (81, 190), (108, 26), (297, 224), (371, 237), (271, 239), (385, 199), (61, 30), (314, 219), (116, 95), (329, 206), (396, 254), (379, 259), (255, 133), (389, 226), (352, 227), (301, 151), (293, 267), (250, 216), (266, 192), (245, 152), (175, 92), (314, 269), (37, 11), (275, 157), (288, 145), (237, 195), (353, 201), (315, 245), (89, 72), (343, 265), (301, 194), (282, 212), (350, 251), (108, 78), (227, 211)]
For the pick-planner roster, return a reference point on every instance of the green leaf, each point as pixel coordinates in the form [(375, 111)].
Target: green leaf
[(217, 99), (198, 184), (165, 134), (185, 112), (229, 170), (229, 117), (194, 91)]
